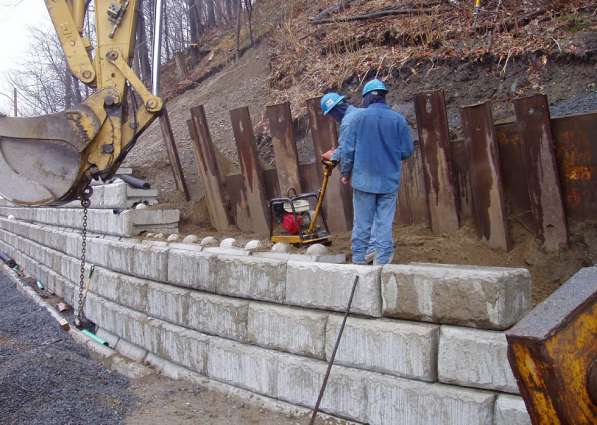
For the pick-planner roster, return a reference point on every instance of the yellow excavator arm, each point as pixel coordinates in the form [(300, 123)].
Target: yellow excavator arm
[(50, 160)]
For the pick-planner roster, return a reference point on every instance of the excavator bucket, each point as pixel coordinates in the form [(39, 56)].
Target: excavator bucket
[(40, 157)]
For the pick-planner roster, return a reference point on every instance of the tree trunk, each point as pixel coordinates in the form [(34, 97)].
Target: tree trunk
[(142, 50), (239, 8), (249, 7), (211, 13), (68, 89), (194, 21)]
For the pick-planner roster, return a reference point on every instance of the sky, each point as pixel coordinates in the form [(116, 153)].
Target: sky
[(16, 16)]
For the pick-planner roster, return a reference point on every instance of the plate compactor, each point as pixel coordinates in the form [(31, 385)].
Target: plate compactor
[(297, 219)]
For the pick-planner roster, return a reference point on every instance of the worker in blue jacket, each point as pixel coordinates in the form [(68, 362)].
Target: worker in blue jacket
[(375, 144), (335, 105)]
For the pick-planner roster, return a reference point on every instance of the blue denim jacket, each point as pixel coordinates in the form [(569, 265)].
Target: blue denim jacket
[(344, 129), (377, 140)]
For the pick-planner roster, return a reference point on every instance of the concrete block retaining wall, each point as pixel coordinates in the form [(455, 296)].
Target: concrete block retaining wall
[(268, 325), (101, 221)]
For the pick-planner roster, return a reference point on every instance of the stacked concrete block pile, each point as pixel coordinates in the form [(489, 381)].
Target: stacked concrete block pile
[(111, 212), (424, 345)]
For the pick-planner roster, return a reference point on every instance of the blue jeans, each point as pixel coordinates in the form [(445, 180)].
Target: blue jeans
[(372, 208)]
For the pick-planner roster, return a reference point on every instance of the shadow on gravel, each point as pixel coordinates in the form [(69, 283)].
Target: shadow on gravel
[(45, 377)]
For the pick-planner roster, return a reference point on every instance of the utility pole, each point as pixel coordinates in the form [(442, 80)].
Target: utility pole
[(14, 102)]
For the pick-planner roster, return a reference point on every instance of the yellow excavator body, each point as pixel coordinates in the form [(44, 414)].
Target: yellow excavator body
[(51, 159)]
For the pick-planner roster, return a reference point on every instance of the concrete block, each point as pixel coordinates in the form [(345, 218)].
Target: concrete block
[(475, 358), (405, 402), (394, 347), (252, 278), (125, 290), (330, 258), (101, 221), (130, 257), (251, 368), (228, 251), (510, 410), (299, 380), (192, 269), (216, 315), (130, 351), (107, 336), (491, 298), (168, 303), (182, 346), (287, 329), (169, 369), (175, 237), (328, 287)]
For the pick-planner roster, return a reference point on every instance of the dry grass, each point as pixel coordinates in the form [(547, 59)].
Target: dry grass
[(308, 59)]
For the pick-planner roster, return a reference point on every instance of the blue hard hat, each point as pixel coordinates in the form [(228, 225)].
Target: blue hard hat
[(374, 85), (329, 101)]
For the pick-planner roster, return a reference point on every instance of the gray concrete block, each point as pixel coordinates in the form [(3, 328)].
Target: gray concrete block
[(168, 303), (243, 366), (101, 221), (511, 410), (192, 269), (182, 346), (287, 329), (492, 298), (130, 257), (252, 278), (299, 380), (125, 290), (475, 358), (240, 252), (130, 351), (328, 287), (168, 369), (394, 347), (217, 315), (399, 401), (329, 258)]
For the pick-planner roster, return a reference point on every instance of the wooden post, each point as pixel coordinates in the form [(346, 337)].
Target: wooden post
[(254, 189), (209, 170), (338, 201), (532, 114), (489, 209), (173, 154), (432, 124), (280, 123)]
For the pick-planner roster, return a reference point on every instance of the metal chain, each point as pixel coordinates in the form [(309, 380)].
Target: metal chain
[(85, 203)]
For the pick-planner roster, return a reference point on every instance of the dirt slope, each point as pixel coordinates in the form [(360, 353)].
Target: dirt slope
[(242, 84)]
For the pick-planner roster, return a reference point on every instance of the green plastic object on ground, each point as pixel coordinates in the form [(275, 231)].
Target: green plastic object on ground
[(95, 338)]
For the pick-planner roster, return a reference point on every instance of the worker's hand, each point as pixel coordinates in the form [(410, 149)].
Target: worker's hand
[(345, 180), (328, 155)]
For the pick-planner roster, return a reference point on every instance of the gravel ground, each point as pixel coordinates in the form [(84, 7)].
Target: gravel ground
[(45, 377)]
